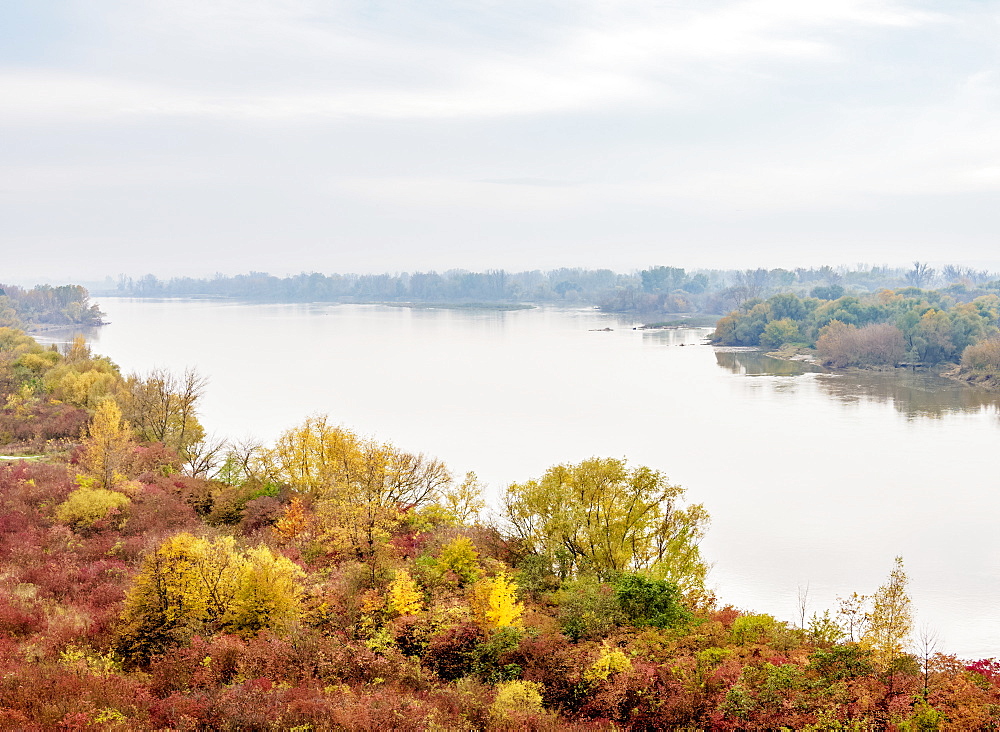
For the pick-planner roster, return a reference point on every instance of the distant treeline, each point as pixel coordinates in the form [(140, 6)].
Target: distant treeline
[(659, 289), (494, 285), (47, 305)]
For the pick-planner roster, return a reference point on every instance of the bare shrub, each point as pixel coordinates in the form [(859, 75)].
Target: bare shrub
[(840, 345), (983, 357)]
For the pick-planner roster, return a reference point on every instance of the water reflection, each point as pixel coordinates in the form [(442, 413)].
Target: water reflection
[(755, 363), (913, 393), (676, 336), (64, 336)]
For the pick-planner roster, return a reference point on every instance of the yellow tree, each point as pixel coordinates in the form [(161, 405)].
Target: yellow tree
[(460, 558), (464, 502), (267, 593), (82, 379), (601, 516), (404, 597), (191, 585), (494, 604), (86, 505), (108, 449), (314, 458), (381, 483), (170, 600), (361, 487), (890, 621)]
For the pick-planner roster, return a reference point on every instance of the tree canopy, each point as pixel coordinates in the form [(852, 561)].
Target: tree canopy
[(601, 516)]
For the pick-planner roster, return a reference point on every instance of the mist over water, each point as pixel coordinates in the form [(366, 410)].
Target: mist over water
[(810, 478)]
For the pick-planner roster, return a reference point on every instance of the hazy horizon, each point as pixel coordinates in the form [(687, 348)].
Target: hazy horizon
[(194, 137), (109, 281)]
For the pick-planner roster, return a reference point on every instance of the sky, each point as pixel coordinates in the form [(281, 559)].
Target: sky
[(189, 137)]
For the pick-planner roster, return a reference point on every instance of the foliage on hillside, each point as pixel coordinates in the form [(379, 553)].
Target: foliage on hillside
[(333, 581)]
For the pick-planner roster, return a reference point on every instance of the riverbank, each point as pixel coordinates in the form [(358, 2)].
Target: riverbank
[(985, 381), (790, 352), (459, 305), (34, 329), (952, 372), (694, 320)]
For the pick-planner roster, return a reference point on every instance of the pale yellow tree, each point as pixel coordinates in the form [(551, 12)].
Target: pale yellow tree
[(464, 503), (602, 516), (108, 449), (361, 487), (890, 621)]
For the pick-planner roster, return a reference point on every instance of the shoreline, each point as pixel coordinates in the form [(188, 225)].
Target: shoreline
[(951, 372), (48, 327)]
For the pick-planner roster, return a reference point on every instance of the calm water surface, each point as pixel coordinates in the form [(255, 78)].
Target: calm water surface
[(810, 478)]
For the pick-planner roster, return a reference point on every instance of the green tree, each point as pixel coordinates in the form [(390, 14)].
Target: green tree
[(599, 515), (932, 337), (650, 602), (657, 280), (779, 332)]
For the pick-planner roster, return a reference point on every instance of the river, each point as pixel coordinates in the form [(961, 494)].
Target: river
[(812, 479)]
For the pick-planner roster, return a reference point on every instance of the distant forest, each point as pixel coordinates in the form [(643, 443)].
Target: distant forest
[(659, 289)]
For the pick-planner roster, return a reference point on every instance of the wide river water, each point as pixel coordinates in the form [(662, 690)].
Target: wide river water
[(812, 479)]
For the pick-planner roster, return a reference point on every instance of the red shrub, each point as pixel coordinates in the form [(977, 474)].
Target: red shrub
[(988, 668), (42, 422), (450, 653), (551, 660)]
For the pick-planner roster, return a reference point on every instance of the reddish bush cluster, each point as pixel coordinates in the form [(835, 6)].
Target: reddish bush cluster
[(43, 421), (576, 660)]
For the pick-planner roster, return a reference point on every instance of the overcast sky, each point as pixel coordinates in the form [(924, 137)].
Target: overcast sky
[(195, 136)]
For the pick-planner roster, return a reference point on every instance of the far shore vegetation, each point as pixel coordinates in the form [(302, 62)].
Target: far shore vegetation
[(44, 305), (648, 292)]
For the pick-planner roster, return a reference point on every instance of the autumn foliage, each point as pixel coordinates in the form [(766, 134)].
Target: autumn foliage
[(358, 589)]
